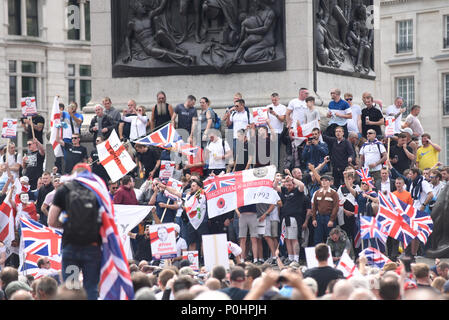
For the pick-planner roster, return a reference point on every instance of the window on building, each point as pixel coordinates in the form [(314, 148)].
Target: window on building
[(446, 94), (405, 87), (29, 9), (79, 84), (446, 32), (405, 36), (78, 20), (25, 80), (14, 25)]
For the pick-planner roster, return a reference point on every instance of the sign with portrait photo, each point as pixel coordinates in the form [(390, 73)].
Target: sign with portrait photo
[(163, 241)]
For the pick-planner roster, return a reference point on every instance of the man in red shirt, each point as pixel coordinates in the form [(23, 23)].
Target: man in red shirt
[(125, 194)]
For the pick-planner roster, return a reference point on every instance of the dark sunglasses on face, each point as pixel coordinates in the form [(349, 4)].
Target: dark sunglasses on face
[(348, 99)]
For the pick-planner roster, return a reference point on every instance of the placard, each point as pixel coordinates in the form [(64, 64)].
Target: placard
[(166, 169), (311, 259), (215, 248), (260, 116), (192, 256), (9, 128), (163, 241), (29, 108)]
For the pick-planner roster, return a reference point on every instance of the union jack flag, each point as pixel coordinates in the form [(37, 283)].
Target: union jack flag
[(40, 240), (375, 257), (217, 182), (394, 218), (418, 220), (29, 266), (187, 149), (165, 138), (370, 228), (283, 234), (115, 278), (364, 175)]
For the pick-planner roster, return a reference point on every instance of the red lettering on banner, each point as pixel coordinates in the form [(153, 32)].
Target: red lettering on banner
[(240, 187)]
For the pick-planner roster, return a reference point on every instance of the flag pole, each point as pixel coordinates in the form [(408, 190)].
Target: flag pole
[(32, 127), (165, 210)]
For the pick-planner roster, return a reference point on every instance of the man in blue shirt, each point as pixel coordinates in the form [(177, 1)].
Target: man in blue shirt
[(339, 113)]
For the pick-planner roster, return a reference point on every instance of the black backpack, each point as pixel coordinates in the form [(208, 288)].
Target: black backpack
[(82, 226)]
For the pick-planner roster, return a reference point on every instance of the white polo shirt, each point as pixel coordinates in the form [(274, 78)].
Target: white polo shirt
[(281, 110), (215, 149), (240, 121)]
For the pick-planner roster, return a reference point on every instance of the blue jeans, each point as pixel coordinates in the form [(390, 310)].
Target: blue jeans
[(321, 231), (88, 260)]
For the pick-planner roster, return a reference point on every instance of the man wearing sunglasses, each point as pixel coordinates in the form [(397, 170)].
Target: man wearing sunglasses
[(372, 155), (74, 152), (33, 161)]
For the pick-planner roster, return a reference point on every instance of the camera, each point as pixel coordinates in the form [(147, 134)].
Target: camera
[(281, 279)]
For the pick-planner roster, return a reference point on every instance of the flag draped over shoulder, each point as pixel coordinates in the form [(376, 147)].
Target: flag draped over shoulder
[(115, 278), (54, 126)]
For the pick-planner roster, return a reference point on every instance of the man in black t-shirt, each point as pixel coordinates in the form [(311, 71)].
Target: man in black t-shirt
[(323, 274), (33, 162), (97, 167), (187, 117), (47, 187), (293, 213), (374, 116), (74, 152), (401, 155), (147, 158), (38, 123)]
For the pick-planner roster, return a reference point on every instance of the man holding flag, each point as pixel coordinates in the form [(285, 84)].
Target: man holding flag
[(100, 257)]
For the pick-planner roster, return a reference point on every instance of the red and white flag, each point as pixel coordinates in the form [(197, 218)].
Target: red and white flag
[(28, 105), (114, 157), (9, 128), (55, 124), (6, 223), (304, 131), (175, 184), (260, 116), (196, 209), (230, 191), (347, 266)]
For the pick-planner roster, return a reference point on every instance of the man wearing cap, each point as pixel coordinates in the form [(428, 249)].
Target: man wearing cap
[(324, 210), (74, 152), (235, 290), (181, 244)]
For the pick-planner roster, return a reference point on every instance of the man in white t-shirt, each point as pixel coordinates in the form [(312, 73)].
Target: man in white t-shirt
[(296, 109), (217, 152), (355, 123), (240, 118), (13, 159), (396, 110), (372, 155), (413, 122), (276, 114)]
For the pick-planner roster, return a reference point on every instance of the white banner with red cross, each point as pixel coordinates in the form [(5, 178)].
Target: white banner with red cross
[(227, 192), (55, 122), (28, 105), (114, 157), (9, 128), (347, 266)]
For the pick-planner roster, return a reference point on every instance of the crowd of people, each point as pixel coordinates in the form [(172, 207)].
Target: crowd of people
[(316, 174)]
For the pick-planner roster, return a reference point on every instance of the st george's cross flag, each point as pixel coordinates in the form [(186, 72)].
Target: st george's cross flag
[(28, 105), (347, 266), (195, 206), (9, 128), (113, 156), (115, 278), (165, 138), (55, 124), (304, 131), (6, 223), (230, 191)]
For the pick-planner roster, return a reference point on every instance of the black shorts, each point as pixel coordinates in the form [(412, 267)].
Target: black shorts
[(194, 236)]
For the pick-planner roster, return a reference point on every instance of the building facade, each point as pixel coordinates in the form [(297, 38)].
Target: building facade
[(415, 62), (44, 51)]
